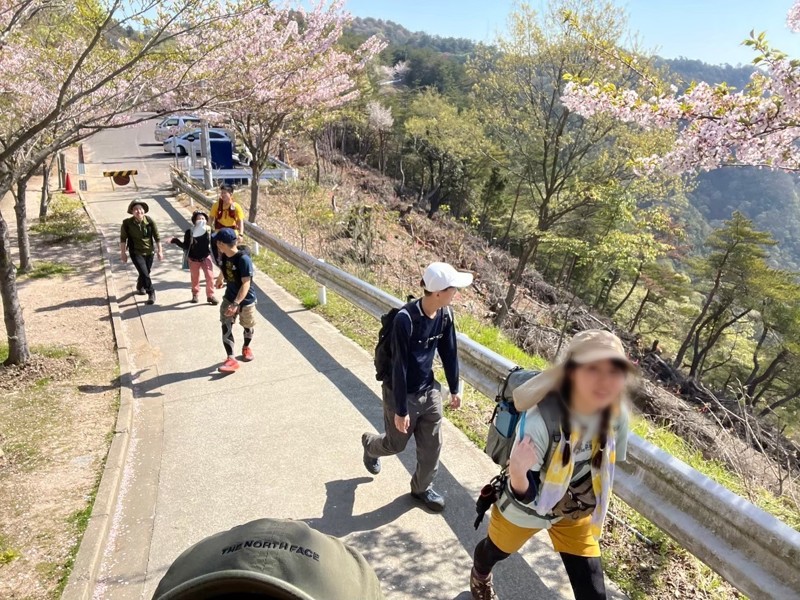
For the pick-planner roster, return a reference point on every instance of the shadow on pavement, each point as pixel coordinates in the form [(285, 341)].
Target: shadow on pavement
[(460, 512), (337, 515), (147, 388)]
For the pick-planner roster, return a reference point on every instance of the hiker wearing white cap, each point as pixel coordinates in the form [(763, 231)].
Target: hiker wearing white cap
[(412, 399), (572, 430)]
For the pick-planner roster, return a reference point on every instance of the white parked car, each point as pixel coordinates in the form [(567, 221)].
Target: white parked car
[(175, 125), (189, 142)]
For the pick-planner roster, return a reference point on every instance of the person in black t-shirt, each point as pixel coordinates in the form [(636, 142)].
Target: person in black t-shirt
[(197, 246), (236, 274)]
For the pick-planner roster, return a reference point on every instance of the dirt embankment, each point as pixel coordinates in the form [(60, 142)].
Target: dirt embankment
[(56, 415)]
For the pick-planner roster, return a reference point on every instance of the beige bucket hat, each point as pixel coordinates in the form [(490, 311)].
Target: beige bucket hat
[(585, 347)]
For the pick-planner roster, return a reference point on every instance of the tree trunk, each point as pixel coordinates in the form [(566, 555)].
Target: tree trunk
[(638, 316), (44, 199), (712, 294), (699, 356), (256, 172), (317, 173), (504, 241), (18, 351), (527, 254), (23, 241), (610, 288), (571, 271), (777, 404), (630, 291), (753, 382)]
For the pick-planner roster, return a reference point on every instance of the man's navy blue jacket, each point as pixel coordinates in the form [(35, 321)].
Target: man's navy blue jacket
[(415, 340)]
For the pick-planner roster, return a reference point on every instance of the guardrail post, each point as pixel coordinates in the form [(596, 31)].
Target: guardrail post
[(256, 247), (322, 292)]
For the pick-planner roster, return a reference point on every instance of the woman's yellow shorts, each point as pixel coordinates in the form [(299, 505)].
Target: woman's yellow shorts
[(569, 536)]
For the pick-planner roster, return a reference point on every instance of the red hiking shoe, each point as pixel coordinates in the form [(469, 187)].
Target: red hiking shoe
[(247, 354), (231, 365)]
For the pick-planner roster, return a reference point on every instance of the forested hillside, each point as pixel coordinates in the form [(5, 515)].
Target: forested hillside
[(467, 153), (770, 199)]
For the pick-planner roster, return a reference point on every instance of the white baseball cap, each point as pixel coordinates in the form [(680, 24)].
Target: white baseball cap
[(439, 276)]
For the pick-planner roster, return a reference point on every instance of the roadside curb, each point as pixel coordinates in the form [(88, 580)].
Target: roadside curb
[(83, 577)]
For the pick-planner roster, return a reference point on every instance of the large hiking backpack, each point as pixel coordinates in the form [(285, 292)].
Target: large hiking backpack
[(505, 418), (383, 349)]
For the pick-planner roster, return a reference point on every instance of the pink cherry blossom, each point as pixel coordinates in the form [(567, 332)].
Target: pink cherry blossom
[(793, 18), (715, 125)]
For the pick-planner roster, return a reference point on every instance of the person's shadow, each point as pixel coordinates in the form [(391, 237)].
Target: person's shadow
[(338, 519)]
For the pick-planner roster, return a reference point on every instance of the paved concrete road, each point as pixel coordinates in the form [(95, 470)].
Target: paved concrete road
[(279, 438)]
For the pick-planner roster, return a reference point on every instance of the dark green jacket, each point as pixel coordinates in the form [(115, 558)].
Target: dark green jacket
[(140, 237)]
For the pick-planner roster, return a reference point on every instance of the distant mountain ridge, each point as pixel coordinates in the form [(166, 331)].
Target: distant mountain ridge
[(397, 35)]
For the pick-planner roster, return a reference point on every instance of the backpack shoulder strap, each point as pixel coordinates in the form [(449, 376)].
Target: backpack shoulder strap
[(413, 311), (551, 411)]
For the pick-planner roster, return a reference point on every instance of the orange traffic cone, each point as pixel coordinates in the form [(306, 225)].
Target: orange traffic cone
[(68, 189)]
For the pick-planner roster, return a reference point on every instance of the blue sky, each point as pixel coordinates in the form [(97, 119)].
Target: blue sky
[(711, 30)]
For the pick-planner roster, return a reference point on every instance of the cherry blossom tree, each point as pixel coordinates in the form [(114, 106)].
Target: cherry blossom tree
[(278, 65), (717, 125), (67, 72), (380, 120)]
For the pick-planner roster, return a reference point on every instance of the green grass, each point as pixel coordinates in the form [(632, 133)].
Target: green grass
[(46, 268), (309, 300), (48, 351), (494, 339), (66, 221), (7, 553)]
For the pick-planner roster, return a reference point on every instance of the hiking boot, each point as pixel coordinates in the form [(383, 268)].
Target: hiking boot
[(481, 587), (151, 297), (231, 365), (194, 299), (247, 354), (373, 465), (212, 300), (140, 291), (431, 499)]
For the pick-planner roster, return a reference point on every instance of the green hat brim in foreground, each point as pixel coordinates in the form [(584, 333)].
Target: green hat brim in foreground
[(281, 559)]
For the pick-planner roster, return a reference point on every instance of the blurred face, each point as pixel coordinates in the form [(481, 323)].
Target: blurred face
[(138, 212), (597, 385), (200, 222), (225, 196)]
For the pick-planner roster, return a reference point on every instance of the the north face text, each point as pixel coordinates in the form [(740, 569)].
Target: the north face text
[(271, 545)]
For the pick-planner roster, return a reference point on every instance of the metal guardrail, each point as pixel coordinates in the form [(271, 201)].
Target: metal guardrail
[(750, 548)]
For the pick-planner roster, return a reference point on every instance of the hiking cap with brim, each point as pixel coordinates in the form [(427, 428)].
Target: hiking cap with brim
[(140, 203), (585, 347), (439, 276), (226, 235), (199, 213), (279, 559)]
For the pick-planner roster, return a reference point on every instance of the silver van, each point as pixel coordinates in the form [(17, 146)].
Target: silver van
[(174, 125)]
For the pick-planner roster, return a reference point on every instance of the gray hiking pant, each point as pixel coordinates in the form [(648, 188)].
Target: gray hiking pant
[(425, 414)]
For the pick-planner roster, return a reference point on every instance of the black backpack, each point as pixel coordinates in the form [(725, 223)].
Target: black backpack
[(383, 349)]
